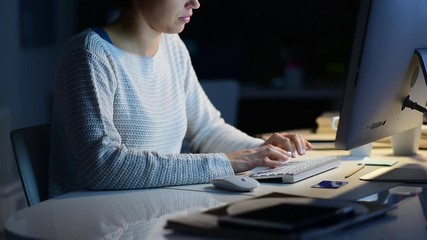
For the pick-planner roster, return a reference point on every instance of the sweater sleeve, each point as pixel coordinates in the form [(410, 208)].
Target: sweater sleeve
[(85, 99), (207, 130)]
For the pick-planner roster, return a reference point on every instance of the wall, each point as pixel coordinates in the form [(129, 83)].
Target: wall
[(26, 77)]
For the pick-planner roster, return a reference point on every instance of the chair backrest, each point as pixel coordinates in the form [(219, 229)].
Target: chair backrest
[(31, 149), (224, 94)]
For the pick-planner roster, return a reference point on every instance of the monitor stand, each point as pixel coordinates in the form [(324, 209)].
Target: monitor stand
[(404, 144), (362, 151), (407, 142)]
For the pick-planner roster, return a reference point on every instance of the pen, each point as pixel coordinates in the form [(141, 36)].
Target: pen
[(354, 171)]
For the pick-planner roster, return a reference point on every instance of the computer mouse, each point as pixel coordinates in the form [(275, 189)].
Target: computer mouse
[(236, 183)]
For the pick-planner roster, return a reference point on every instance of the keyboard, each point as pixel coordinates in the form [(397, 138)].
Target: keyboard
[(296, 170)]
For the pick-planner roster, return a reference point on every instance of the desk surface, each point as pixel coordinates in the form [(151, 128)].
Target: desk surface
[(142, 214)]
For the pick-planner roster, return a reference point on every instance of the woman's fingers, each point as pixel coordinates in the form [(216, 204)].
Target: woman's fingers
[(291, 142), (267, 155), (274, 152)]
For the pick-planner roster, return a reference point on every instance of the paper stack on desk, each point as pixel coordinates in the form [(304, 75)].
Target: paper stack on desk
[(423, 141), (324, 123)]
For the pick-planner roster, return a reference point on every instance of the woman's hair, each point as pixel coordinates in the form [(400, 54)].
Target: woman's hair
[(123, 4)]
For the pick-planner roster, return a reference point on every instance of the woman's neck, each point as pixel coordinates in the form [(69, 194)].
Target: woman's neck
[(132, 33)]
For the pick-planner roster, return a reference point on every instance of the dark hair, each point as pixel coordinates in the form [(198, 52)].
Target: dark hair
[(123, 4)]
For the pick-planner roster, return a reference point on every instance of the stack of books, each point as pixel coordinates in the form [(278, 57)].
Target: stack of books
[(423, 141), (324, 123), (325, 134)]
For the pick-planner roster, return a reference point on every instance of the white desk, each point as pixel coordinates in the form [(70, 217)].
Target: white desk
[(142, 214)]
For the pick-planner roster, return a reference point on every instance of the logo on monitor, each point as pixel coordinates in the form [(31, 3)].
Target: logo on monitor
[(376, 125)]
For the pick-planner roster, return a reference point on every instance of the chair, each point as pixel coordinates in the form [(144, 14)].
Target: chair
[(31, 149), (224, 94)]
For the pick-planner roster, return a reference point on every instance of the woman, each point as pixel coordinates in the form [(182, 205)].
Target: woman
[(126, 96)]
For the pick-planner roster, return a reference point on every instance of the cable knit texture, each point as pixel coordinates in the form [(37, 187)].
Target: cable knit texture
[(119, 120)]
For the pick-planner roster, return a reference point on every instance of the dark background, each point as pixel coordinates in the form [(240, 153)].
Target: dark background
[(253, 42)]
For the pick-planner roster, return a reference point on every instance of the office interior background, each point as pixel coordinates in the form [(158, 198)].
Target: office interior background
[(289, 57)]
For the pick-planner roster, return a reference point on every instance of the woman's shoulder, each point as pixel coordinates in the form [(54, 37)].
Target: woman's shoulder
[(86, 40)]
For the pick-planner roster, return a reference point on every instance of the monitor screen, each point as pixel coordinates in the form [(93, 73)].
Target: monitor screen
[(383, 72)]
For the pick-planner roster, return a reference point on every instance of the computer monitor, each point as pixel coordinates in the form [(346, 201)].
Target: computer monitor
[(385, 68)]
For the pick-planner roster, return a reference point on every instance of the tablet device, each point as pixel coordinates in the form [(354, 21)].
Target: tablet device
[(288, 215)]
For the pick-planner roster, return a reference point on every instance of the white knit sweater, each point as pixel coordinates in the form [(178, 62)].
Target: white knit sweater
[(119, 120)]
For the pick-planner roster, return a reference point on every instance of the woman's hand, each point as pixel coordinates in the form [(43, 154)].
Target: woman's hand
[(292, 142), (277, 149)]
